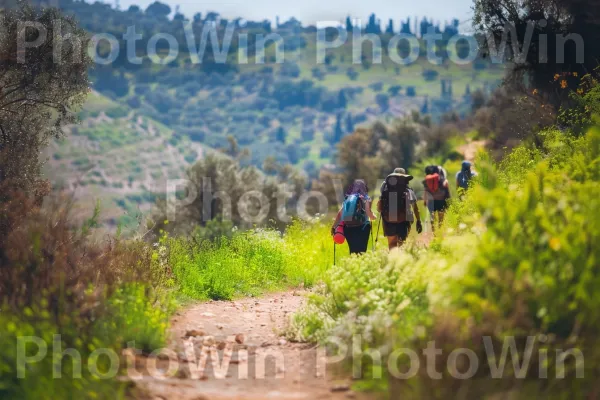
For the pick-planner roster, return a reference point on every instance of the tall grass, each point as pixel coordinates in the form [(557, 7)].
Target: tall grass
[(250, 262)]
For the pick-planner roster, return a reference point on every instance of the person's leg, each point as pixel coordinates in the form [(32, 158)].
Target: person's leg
[(352, 238), (403, 231), (363, 243), (389, 231), (440, 218), (357, 238), (440, 208), (431, 209)]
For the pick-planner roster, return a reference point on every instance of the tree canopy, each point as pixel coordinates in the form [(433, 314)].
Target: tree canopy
[(40, 85)]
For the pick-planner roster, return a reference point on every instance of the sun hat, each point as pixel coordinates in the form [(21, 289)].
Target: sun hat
[(401, 173)]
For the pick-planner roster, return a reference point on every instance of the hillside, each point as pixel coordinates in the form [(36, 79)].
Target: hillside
[(119, 158), (153, 120)]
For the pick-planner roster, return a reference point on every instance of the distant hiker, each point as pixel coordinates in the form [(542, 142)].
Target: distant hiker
[(398, 207), (354, 218), (464, 176), (436, 193)]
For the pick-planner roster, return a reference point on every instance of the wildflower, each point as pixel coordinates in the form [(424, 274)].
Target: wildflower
[(575, 74), (563, 84), (535, 92), (556, 76), (580, 91), (555, 243)]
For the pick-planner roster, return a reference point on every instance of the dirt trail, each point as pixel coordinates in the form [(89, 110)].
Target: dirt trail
[(251, 326), (296, 376), (470, 149)]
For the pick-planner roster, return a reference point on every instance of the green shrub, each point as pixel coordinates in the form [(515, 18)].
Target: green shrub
[(55, 280)]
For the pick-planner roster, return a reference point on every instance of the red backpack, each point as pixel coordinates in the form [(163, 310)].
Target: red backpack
[(432, 183)]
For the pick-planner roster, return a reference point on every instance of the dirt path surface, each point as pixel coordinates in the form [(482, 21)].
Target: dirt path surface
[(469, 150), (249, 329)]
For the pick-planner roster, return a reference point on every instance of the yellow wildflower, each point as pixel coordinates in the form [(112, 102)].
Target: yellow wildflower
[(555, 244), (575, 74), (535, 91), (580, 91), (556, 76), (563, 84)]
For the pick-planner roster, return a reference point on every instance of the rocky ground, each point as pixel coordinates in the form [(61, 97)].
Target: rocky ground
[(248, 332)]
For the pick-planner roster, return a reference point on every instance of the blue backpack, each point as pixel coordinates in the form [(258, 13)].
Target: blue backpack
[(465, 175), (354, 211)]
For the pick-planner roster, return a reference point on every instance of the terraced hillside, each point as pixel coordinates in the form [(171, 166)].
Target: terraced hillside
[(119, 158)]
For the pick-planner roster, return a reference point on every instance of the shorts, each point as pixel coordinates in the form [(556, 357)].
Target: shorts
[(401, 229), (437, 205)]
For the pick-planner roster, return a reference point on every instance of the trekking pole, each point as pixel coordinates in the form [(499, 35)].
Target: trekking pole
[(378, 225), (372, 240), (334, 254)]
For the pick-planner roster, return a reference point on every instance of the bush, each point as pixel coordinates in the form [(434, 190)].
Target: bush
[(430, 75), (290, 70), (55, 280), (117, 112), (308, 134), (383, 101), (352, 74), (376, 87)]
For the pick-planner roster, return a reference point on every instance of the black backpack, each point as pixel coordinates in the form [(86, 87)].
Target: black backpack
[(394, 199)]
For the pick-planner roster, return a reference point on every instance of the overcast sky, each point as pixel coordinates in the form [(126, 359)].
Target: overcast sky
[(310, 11)]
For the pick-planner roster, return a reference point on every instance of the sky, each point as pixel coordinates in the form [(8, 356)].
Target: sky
[(310, 11)]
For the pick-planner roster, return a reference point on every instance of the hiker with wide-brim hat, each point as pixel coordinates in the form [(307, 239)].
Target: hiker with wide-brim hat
[(398, 208)]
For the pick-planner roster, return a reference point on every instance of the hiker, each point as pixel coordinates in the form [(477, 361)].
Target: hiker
[(436, 193), (355, 216), (464, 176), (398, 208)]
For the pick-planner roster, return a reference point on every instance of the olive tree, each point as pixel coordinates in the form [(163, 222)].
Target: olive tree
[(43, 79)]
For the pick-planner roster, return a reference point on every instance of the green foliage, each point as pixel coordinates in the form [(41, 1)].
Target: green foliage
[(55, 280), (587, 104), (516, 257), (33, 107), (537, 249), (135, 313), (247, 263)]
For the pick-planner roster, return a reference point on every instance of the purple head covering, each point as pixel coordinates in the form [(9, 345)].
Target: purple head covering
[(358, 187)]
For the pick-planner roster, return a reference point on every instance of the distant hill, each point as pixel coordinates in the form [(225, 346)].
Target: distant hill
[(118, 157), (146, 120)]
